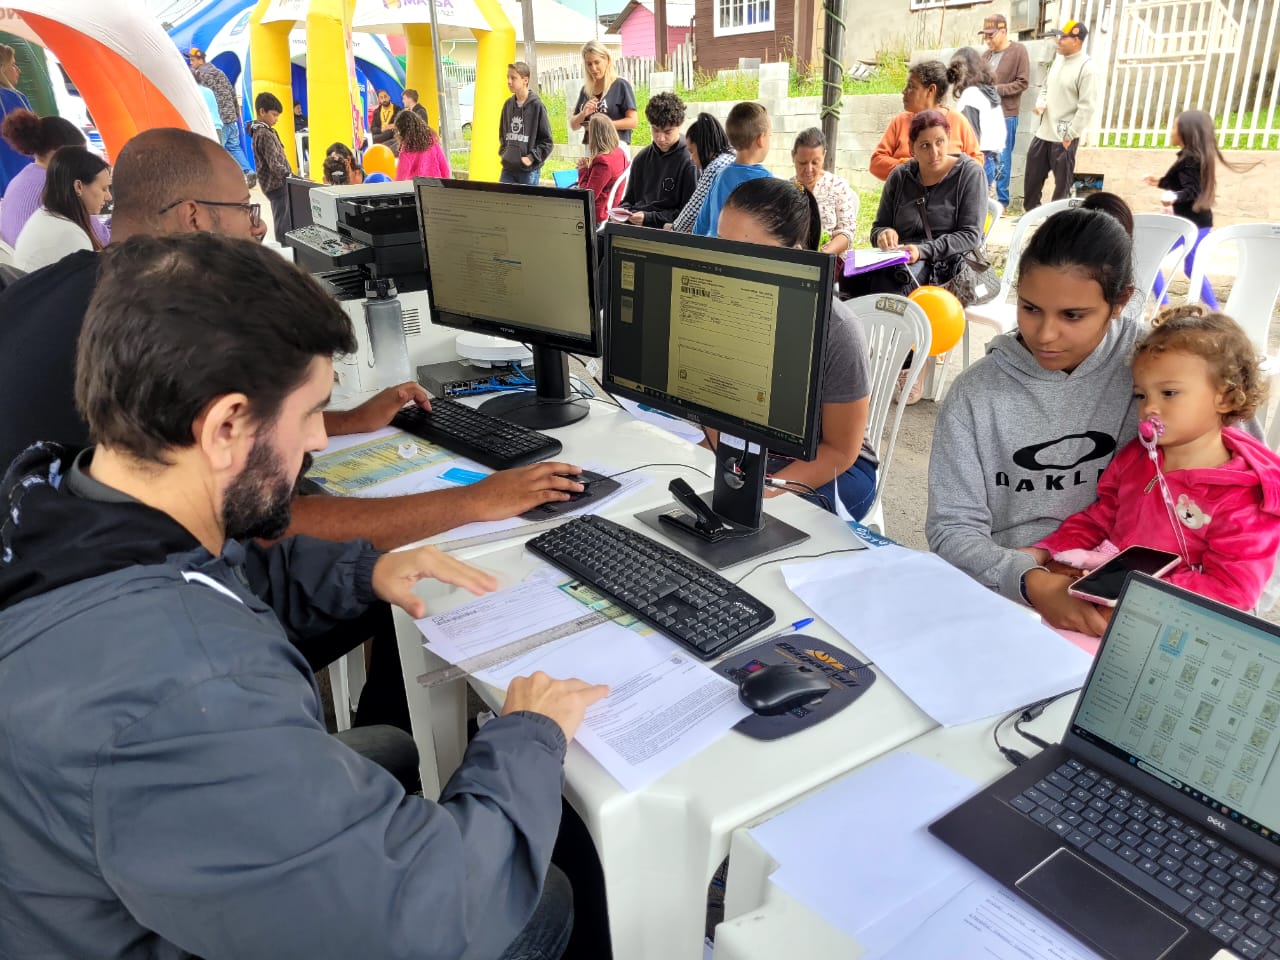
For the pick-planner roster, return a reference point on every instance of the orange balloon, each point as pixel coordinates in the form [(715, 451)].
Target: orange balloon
[(946, 316), (380, 159)]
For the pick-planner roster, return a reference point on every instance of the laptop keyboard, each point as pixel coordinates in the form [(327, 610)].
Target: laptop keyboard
[(1204, 880)]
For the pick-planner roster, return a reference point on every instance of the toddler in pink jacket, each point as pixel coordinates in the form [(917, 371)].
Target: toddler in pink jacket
[(1197, 487)]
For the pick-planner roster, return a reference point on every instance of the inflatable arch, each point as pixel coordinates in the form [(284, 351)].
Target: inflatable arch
[(496, 47), (126, 67), (221, 29)]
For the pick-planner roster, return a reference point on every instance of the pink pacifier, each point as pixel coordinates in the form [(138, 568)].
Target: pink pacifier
[(1149, 433)]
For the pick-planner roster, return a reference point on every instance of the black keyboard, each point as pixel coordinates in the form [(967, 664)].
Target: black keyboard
[(1207, 882), (688, 602), (478, 436)]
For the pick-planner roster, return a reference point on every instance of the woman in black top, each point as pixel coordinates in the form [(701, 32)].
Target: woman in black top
[(604, 92), (1189, 185), (949, 191)]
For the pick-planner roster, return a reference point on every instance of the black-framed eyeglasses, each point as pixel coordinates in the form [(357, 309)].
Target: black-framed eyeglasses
[(253, 209)]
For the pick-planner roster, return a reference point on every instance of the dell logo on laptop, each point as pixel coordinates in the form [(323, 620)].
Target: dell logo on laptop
[(1215, 822)]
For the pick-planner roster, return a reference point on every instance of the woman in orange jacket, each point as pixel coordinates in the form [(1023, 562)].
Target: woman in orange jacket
[(926, 86)]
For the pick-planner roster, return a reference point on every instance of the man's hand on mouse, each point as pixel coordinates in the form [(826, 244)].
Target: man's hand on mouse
[(508, 493)]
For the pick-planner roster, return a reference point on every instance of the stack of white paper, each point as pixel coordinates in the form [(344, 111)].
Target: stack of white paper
[(959, 651), (858, 852)]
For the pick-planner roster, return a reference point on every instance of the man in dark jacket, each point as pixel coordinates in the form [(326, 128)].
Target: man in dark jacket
[(410, 100), (1009, 62), (662, 174), (524, 130), (382, 120), (169, 788)]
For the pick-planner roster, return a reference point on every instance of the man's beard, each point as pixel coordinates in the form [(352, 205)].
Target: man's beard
[(259, 502)]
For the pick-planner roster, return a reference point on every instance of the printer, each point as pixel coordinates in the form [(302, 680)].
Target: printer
[(361, 233)]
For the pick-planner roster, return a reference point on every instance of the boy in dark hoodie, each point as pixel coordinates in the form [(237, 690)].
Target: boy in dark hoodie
[(662, 175), (270, 159), (524, 132)]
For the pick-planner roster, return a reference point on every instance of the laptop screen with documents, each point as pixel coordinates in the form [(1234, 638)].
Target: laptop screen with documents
[(1191, 696)]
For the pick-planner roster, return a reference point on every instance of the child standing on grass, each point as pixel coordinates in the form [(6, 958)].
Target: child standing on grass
[(270, 159), (1197, 486), (1189, 184)]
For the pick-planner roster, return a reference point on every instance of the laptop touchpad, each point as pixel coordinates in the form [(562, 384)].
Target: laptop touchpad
[(1097, 909)]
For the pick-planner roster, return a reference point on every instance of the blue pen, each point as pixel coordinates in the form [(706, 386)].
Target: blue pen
[(798, 625)]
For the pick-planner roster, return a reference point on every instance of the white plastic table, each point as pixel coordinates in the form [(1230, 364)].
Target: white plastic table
[(660, 846)]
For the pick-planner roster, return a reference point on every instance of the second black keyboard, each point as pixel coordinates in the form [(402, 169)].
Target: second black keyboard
[(466, 431), (684, 600)]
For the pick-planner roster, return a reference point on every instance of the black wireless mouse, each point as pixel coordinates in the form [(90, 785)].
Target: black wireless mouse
[(780, 687)]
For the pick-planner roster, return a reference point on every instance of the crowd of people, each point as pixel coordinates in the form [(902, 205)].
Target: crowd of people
[(168, 593)]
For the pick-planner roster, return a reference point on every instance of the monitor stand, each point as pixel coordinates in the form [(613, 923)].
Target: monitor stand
[(735, 527), (550, 404)]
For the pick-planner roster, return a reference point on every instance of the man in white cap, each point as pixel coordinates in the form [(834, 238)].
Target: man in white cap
[(1065, 106)]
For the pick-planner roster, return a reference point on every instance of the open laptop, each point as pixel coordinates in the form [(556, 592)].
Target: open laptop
[(1153, 829)]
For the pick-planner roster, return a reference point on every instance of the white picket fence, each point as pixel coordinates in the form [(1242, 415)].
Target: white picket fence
[(1161, 57)]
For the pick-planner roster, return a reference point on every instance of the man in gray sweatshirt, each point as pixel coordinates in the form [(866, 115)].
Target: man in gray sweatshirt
[(1065, 106)]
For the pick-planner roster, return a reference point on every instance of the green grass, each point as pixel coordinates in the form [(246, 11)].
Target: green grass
[(868, 203), (890, 77), (708, 88), (1160, 141)]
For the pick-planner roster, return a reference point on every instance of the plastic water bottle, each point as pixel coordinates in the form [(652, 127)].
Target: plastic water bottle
[(389, 351)]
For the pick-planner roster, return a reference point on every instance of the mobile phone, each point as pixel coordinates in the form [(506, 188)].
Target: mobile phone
[(1103, 585)]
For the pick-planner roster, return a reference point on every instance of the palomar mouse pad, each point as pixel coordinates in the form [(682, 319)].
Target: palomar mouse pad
[(849, 678)]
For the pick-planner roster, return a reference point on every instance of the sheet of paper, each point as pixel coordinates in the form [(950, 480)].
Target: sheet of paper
[(681, 428), (664, 706), (958, 650), (387, 460), (986, 922), (858, 851)]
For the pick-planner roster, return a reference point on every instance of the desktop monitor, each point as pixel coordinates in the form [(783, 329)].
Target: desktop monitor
[(299, 194), (519, 262), (731, 336)]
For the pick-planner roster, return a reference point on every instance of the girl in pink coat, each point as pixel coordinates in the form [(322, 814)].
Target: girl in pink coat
[(1189, 484), (420, 152)]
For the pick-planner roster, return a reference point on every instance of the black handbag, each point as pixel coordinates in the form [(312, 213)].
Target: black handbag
[(968, 275)]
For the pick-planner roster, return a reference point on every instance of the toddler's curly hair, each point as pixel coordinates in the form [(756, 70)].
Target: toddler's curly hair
[(1232, 358)]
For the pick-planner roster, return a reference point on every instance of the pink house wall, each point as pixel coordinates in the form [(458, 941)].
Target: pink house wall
[(637, 35)]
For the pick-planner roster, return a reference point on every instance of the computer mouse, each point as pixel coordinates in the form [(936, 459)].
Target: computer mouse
[(586, 478), (594, 485), (780, 687)]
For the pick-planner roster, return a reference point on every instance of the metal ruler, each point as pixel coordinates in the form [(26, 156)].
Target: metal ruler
[(524, 530), (510, 651)]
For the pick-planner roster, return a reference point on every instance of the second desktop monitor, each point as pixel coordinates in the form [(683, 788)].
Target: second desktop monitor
[(517, 262)]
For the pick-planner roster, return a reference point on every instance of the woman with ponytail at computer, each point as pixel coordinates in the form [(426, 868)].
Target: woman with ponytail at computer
[(780, 213)]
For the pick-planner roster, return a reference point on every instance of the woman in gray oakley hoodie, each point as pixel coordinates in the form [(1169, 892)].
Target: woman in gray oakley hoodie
[(1025, 432)]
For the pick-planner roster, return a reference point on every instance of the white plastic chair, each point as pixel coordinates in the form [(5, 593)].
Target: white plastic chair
[(346, 680), (894, 326), (6, 253), (1000, 314), (1255, 288), (619, 188), (1154, 237)]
